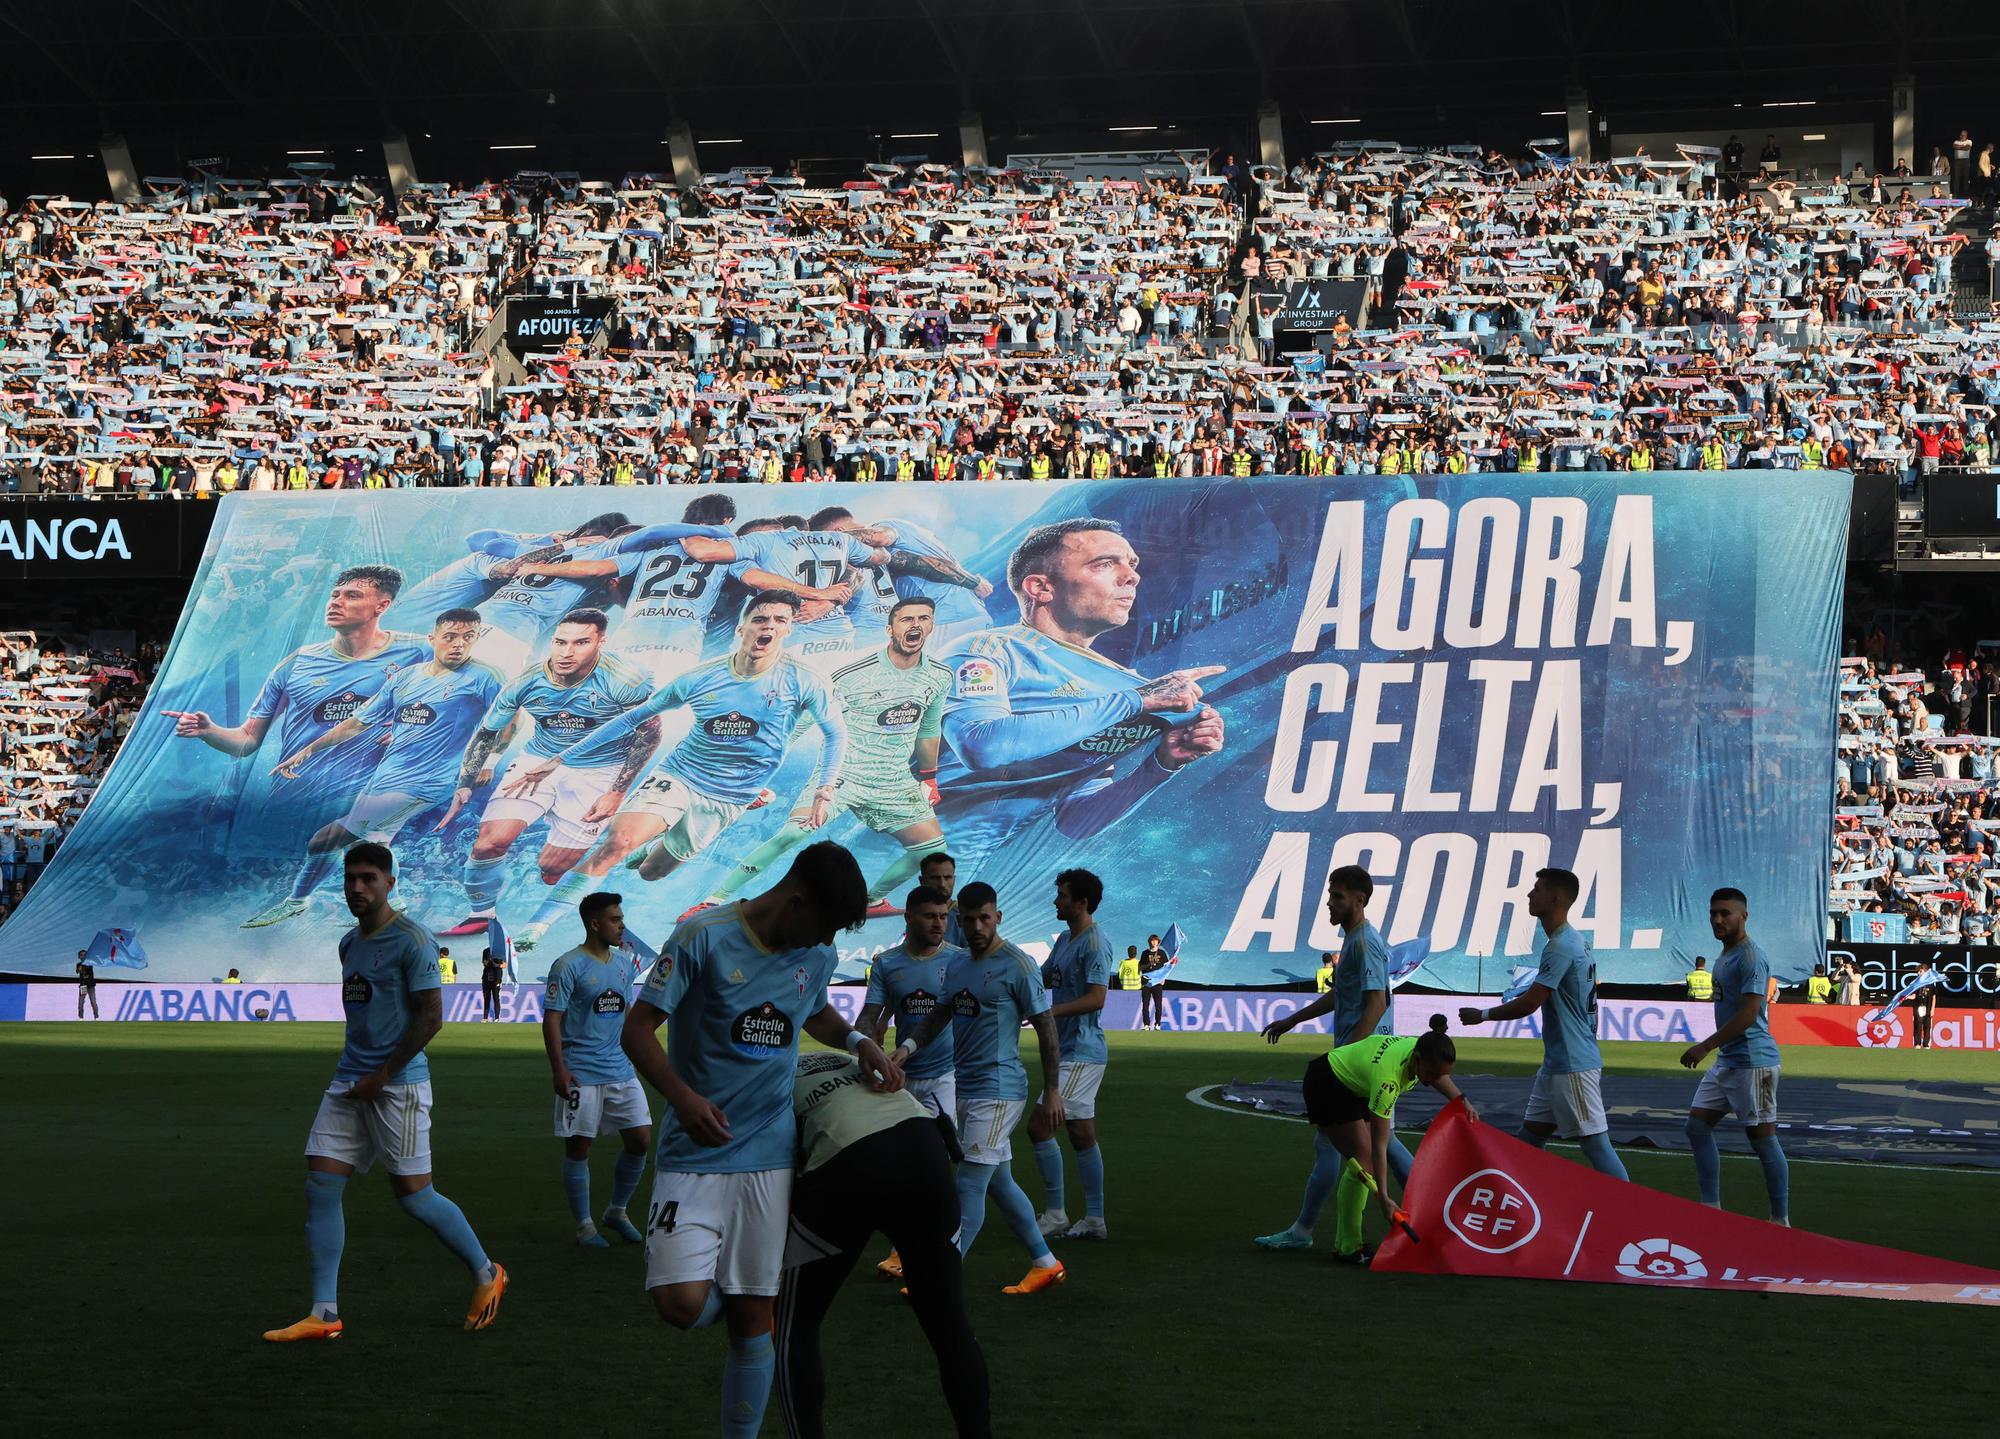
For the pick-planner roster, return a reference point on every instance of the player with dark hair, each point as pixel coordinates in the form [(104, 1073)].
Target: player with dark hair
[(1359, 1003), (823, 562), (1078, 975), (1567, 1098), (315, 688), (746, 705), (736, 985), (583, 1022), (992, 992), (491, 970), (379, 1104), (1037, 720), (939, 871), (426, 715), (1744, 1077), (919, 567), (892, 704), (572, 697), (1351, 1095), (870, 1161)]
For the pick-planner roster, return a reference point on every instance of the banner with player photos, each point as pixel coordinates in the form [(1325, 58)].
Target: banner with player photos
[(1210, 692)]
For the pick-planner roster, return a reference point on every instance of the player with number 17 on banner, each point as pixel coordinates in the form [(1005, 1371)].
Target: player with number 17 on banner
[(735, 985)]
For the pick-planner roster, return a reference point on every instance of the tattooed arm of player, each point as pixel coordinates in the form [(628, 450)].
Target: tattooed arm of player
[(638, 754), (934, 567), (484, 745)]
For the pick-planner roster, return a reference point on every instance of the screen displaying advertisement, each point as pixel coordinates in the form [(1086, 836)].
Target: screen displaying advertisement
[(1209, 692)]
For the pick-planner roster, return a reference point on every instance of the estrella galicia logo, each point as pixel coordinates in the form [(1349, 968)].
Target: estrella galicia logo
[(965, 1004), (566, 722), (355, 989), (335, 708), (609, 1002), (918, 1004), (734, 725), (1119, 738), (417, 713), (899, 716), (762, 1033)]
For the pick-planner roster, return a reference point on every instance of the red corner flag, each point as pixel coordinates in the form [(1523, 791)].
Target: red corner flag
[(1487, 1204)]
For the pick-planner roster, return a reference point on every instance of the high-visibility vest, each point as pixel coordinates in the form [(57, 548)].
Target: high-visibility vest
[(1324, 979), (1039, 467), (1159, 467), (1454, 464), (1100, 464), (1701, 984), (1531, 459), (988, 468), (906, 470), (1392, 461), (1128, 972), (774, 470), (864, 471), (1642, 457), (1812, 455), (624, 473), (1819, 989), (297, 477), (1240, 466), (1713, 456), (447, 969), (944, 466)]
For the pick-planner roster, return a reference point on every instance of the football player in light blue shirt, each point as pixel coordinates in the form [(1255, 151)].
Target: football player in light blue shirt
[(735, 985), (1038, 721), (993, 991), (1568, 1093), (1359, 1003), (907, 980), (919, 567), (746, 706), (583, 1021), (571, 698), (379, 1104), (429, 713), (314, 689), (1082, 964), (821, 560), (1745, 1074)]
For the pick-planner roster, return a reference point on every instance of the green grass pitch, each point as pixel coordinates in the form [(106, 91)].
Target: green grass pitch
[(153, 1216)]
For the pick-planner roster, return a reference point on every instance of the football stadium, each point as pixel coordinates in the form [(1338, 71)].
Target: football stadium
[(968, 717)]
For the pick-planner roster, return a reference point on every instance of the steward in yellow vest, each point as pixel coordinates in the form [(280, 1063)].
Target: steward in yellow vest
[(1128, 968), (1700, 983)]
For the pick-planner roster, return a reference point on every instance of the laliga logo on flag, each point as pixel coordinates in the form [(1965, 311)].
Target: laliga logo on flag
[(1660, 1259), (1878, 1031), (1497, 1217)]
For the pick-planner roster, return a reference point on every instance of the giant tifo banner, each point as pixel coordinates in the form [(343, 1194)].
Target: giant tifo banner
[(1210, 692)]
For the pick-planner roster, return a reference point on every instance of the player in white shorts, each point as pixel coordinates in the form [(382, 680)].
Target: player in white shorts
[(736, 985), (597, 1093), (1078, 975), (1745, 1075)]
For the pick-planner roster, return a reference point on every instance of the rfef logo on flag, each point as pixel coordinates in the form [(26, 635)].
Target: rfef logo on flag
[(1493, 1211)]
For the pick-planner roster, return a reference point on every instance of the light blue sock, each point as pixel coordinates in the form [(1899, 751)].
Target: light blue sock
[(746, 1386), (1320, 1183), (1603, 1158), (1777, 1175), (1048, 1159), (563, 897), (483, 883), (625, 1178), (1014, 1207), (1090, 1167), (711, 1308), (972, 1182), (1707, 1160), (313, 869), (1526, 1136), (576, 1186), (447, 1221), (326, 1237), (1400, 1160)]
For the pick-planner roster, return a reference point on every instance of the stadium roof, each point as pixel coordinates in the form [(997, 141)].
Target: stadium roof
[(593, 84)]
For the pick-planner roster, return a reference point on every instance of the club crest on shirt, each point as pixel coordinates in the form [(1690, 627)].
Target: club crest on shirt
[(762, 1033), (802, 977)]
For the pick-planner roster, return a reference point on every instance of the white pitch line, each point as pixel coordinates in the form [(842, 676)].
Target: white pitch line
[(1195, 1097)]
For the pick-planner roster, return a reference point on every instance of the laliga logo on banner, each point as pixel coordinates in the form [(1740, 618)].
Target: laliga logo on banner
[(1660, 1259), (1499, 1215), (1878, 1031)]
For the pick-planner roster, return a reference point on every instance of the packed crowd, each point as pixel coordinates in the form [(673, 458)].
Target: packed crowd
[(935, 324), (1917, 818), (62, 717)]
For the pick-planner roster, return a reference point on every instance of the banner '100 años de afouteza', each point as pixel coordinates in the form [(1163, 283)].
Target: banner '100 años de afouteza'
[(1209, 692)]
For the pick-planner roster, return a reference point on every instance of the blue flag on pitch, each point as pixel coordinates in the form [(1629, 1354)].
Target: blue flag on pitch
[(1524, 975), (1406, 959), (119, 948), (1929, 976), (502, 947), (1172, 941), (642, 954)]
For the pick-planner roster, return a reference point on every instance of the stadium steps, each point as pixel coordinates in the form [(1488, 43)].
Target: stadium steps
[(1910, 543)]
